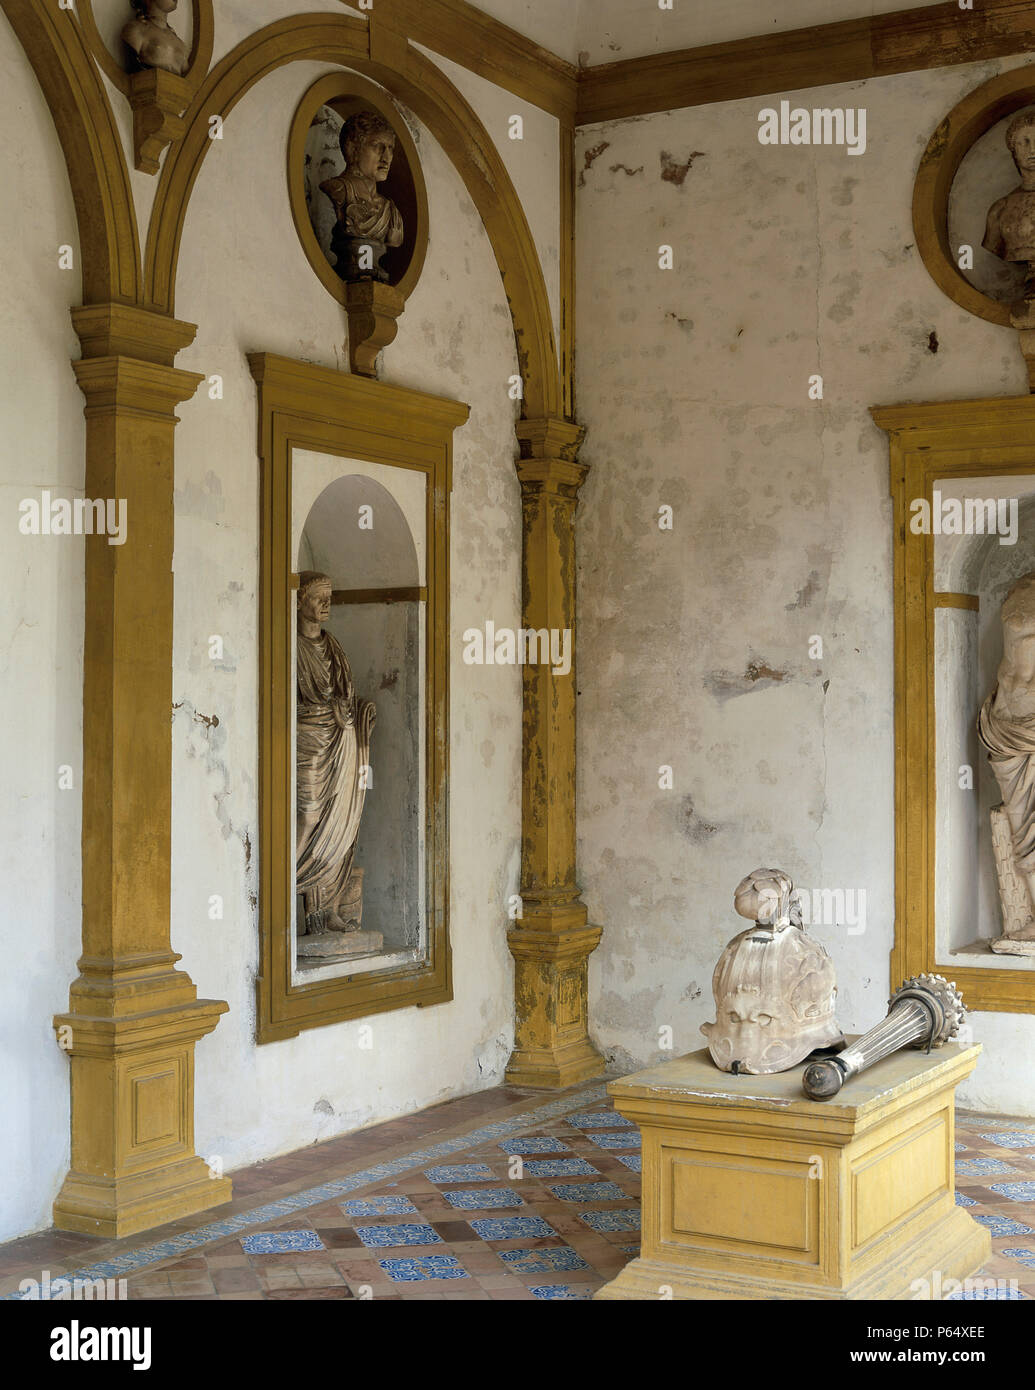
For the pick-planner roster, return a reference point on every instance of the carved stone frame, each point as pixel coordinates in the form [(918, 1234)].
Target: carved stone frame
[(307, 407), (940, 440)]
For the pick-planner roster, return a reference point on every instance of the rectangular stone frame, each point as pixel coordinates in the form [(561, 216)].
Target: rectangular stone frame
[(950, 439), (326, 411)]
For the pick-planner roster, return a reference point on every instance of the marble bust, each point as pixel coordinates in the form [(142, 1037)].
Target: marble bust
[(1006, 728), (774, 985), (367, 222), (334, 727), (1010, 229), (153, 41)]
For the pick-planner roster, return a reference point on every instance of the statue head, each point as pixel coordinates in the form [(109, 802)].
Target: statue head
[(767, 896), (774, 986), (368, 144), (314, 596), (1020, 140), (145, 8)]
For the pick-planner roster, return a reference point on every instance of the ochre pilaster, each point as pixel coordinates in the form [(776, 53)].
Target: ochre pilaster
[(552, 941), (133, 1018)]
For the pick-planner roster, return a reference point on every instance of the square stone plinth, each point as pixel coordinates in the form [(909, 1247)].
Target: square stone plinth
[(751, 1190)]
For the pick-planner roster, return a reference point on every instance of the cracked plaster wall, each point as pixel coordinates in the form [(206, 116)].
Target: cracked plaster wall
[(694, 643)]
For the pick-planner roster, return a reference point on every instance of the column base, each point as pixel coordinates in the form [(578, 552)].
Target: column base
[(951, 1250), (554, 1069), (120, 1207), (552, 1048)]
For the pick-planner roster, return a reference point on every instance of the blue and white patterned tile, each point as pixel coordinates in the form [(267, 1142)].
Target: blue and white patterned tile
[(629, 1249), (542, 1261), (1000, 1226), (405, 1233), (512, 1228), (603, 1221), (484, 1199), (555, 1292), (600, 1119), (1012, 1139), (458, 1172), (998, 1294), (962, 1200), (632, 1161), (561, 1168), (960, 1148), (976, 1167), (1023, 1255), (379, 1206), (625, 1139), (588, 1192), (1015, 1191), (535, 1144), (280, 1242), (424, 1267)]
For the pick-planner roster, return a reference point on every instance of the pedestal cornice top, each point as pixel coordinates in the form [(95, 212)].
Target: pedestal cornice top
[(695, 1080)]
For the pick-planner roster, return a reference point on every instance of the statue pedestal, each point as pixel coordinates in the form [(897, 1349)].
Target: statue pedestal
[(750, 1190), (327, 947)]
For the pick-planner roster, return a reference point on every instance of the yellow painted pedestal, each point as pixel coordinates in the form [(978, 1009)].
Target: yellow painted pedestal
[(750, 1190)]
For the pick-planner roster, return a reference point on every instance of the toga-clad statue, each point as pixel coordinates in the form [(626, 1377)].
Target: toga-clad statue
[(333, 748), (367, 222), (153, 41), (1006, 727), (1010, 229)]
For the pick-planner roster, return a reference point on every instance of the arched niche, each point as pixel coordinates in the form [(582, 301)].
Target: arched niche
[(973, 572), (359, 530)]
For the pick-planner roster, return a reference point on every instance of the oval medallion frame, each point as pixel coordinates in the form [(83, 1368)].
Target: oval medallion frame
[(961, 129), (347, 90)]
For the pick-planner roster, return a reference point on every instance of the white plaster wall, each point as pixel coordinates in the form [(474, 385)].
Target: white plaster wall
[(551, 23), (694, 644), (41, 649), (533, 163), (244, 278)]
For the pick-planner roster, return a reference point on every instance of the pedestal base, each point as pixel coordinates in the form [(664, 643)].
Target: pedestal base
[(750, 1190), (1011, 946), (122, 1207), (340, 945)]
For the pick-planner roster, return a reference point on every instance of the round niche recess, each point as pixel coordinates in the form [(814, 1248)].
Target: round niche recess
[(964, 170), (316, 163)]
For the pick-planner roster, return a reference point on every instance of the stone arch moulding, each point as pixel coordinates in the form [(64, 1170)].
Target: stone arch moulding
[(425, 89), (109, 245), (965, 124)]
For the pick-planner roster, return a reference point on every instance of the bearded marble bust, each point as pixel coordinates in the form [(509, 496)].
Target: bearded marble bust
[(774, 986), (153, 41)]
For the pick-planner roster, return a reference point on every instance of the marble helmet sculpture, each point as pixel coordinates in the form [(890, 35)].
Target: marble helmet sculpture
[(774, 986)]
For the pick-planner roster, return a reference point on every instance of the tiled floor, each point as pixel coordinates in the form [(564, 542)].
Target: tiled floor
[(503, 1195)]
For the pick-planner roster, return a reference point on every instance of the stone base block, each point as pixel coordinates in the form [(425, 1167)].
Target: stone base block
[(751, 1190)]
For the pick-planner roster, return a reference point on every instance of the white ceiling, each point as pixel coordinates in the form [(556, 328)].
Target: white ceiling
[(604, 31)]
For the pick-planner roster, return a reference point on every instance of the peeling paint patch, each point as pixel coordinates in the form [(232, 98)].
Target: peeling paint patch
[(674, 171), (211, 721), (624, 168), (758, 674), (806, 593), (687, 325), (932, 342), (696, 829), (692, 991), (594, 152), (389, 679)]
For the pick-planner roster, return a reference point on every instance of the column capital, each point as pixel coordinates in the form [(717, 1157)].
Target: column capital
[(550, 437), (126, 330)]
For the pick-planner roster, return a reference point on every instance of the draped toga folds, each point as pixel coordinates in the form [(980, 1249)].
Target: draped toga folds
[(333, 739), (1011, 753)]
